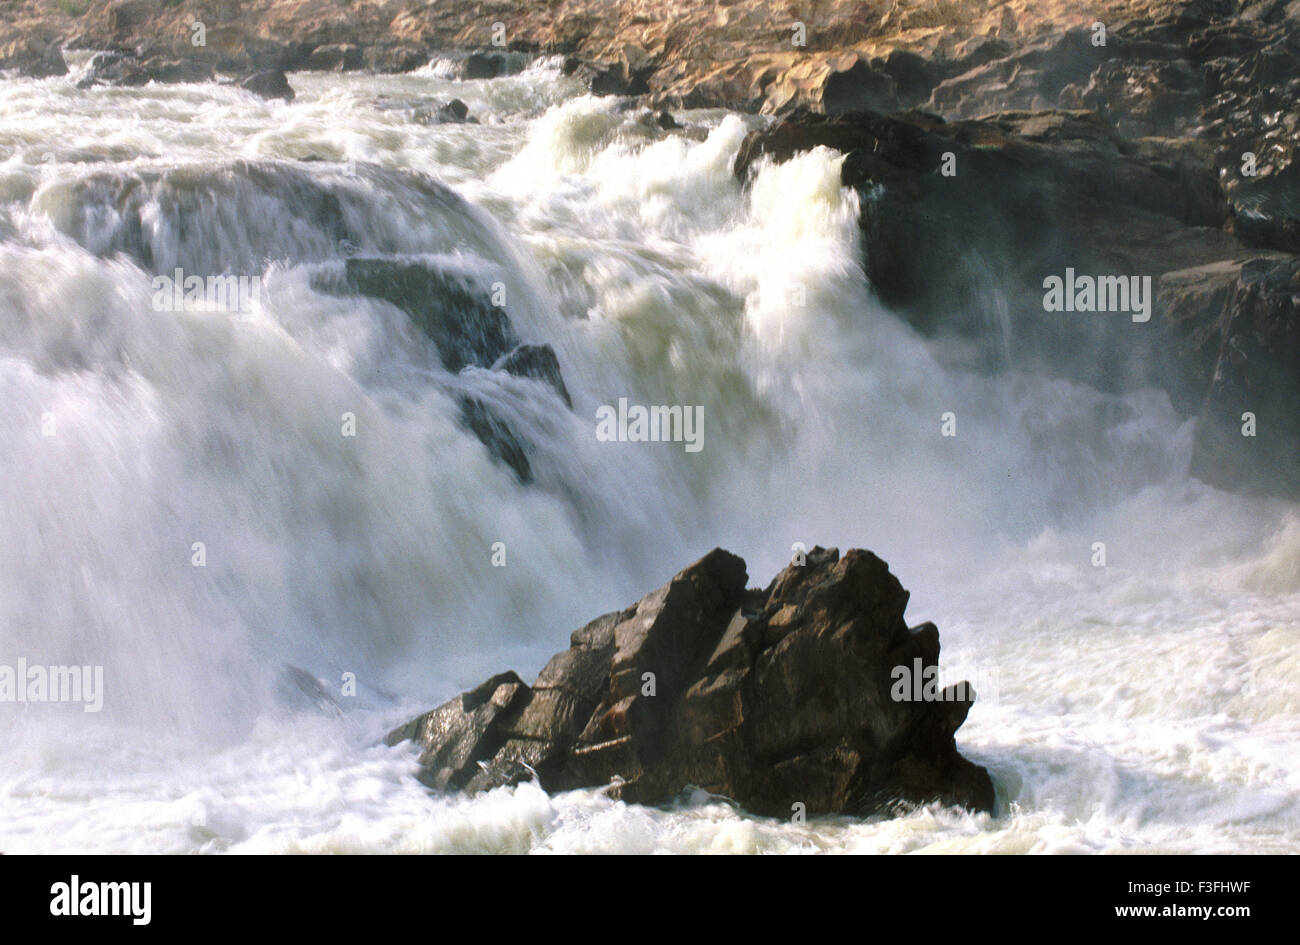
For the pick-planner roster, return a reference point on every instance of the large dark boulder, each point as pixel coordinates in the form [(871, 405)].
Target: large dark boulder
[(490, 65), (775, 698), (538, 362), (270, 84), (454, 112)]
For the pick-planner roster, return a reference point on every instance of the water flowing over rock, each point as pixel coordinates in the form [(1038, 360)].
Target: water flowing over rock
[(452, 309), (31, 57), (775, 698), (538, 362), (1236, 326), (457, 313), (1030, 195)]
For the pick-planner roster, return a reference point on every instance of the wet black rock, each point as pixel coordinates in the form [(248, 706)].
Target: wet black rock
[(458, 315), (538, 362), (503, 442), (490, 65), (129, 70), (616, 79), (782, 699), (963, 221), (272, 84), (453, 310), (454, 112), (666, 121)]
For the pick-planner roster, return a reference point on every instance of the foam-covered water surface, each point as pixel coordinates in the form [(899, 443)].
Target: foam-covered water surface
[(1152, 704)]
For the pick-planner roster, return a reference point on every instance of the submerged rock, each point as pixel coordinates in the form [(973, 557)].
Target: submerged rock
[(452, 309), (458, 315), (775, 698), (300, 689), (505, 444), (454, 112), (538, 362)]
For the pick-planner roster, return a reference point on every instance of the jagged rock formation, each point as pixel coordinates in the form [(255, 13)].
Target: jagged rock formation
[(775, 697)]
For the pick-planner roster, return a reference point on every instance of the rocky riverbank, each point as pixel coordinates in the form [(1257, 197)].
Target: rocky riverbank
[(745, 55), (810, 696)]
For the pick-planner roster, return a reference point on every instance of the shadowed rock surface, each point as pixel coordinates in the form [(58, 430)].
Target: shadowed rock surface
[(963, 255), (270, 84), (452, 309), (771, 697), (1236, 325), (469, 331)]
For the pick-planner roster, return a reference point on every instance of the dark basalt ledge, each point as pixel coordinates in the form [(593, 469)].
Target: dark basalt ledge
[(772, 697), (1034, 194)]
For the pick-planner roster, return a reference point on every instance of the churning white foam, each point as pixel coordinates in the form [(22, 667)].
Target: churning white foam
[(1145, 705)]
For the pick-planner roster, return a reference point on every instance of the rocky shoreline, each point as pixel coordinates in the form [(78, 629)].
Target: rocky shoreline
[(810, 696)]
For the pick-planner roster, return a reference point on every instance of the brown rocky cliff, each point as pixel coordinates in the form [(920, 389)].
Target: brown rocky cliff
[(692, 52)]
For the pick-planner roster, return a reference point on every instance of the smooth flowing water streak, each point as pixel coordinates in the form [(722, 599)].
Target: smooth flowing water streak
[(1150, 704)]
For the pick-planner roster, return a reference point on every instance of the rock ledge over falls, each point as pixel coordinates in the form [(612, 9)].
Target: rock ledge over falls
[(772, 697)]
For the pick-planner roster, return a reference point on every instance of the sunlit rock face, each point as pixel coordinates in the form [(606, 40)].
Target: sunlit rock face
[(793, 697)]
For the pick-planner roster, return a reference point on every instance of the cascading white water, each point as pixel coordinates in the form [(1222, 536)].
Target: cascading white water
[(1149, 704)]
